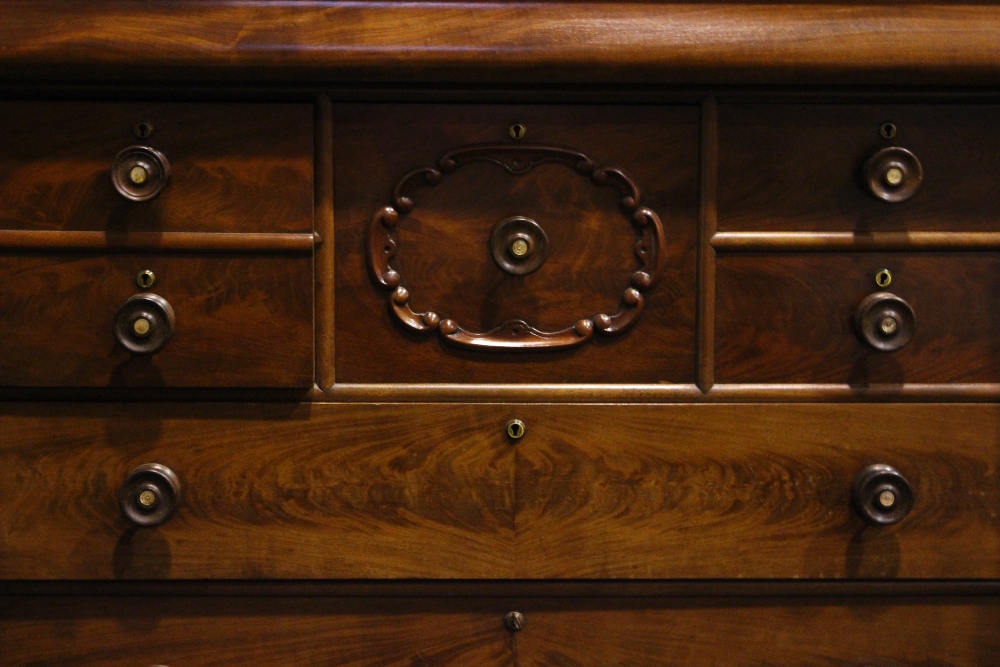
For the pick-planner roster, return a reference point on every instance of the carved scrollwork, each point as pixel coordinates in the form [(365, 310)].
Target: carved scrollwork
[(517, 160)]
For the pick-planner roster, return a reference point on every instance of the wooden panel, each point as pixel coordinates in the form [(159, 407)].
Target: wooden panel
[(809, 632), (808, 42), (798, 167), (240, 321), (267, 632), (234, 168), (716, 491), (276, 492), (790, 318), (443, 252)]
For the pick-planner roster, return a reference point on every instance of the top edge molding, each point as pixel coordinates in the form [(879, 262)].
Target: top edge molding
[(950, 43)]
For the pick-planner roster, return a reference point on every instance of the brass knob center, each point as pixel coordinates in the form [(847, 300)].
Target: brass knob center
[(147, 498), (887, 499), (141, 326), (893, 176), (519, 248), (888, 325), (138, 175)]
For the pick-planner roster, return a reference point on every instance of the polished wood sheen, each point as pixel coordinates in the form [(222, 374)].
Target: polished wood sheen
[(799, 167), (243, 321), (808, 42), (226, 162), (268, 632), (275, 492), (441, 245), (789, 318)]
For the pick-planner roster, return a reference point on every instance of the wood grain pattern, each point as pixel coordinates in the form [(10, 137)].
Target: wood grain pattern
[(789, 318), (234, 167), (740, 43), (325, 339), (241, 321), (709, 162), (750, 491), (797, 167), (811, 632), (841, 241), (267, 632), (275, 492), (444, 250)]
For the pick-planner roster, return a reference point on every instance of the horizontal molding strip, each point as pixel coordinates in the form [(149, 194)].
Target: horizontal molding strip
[(841, 241), (75, 241), (947, 43), (659, 393)]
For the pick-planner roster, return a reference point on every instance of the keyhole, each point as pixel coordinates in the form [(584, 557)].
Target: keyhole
[(883, 278), (515, 429), (143, 129), (517, 131), (145, 279)]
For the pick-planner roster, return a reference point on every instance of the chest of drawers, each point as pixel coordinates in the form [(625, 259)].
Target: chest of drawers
[(486, 334)]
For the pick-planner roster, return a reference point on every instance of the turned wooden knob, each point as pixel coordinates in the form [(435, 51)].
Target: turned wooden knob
[(140, 173), (885, 321), (144, 323), (893, 174), (149, 494), (881, 495)]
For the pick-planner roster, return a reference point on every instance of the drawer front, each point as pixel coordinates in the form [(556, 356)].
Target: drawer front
[(800, 318), (265, 492), (232, 167), (238, 321), (791, 167), (431, 201), (806, 632), (754, 492), (268, 632)]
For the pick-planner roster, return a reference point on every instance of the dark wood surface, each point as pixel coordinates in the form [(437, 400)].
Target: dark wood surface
[(273, 492), (444, 255), (234, 167), (270, 632), (590, 492), (795, 167), (241, 321), (818, 632), (790, 318), (696, 42)]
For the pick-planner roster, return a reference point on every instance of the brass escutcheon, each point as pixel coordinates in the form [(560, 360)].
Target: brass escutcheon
[(515, 429), (883, 278), (888, 130), (145, 279), (517, 131), (143, 129)]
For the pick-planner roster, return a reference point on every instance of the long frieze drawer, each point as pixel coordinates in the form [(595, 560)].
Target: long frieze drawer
[(857, 319), (806, 632), (156, 320), (858, 168), (267, 632), (803, 491), (515, 244), (234, 492), (128, 167)]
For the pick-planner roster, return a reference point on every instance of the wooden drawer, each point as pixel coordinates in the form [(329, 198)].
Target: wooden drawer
[(239, 321), (268, 632), (233, 167), (789, 167), (422, 193), (266, 492), (806, 632), (791, 318)]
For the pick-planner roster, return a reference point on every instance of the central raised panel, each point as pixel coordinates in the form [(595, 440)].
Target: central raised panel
[(566, 254)]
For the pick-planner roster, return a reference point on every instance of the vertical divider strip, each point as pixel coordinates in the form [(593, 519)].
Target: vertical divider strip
[(709, 159), (324, 257)]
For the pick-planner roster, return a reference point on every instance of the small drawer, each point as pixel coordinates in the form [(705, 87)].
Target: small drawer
[(82, 320), (135, 167), (522, 244), (198, 631), (222, 491), (813, 167), (800, 318)]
